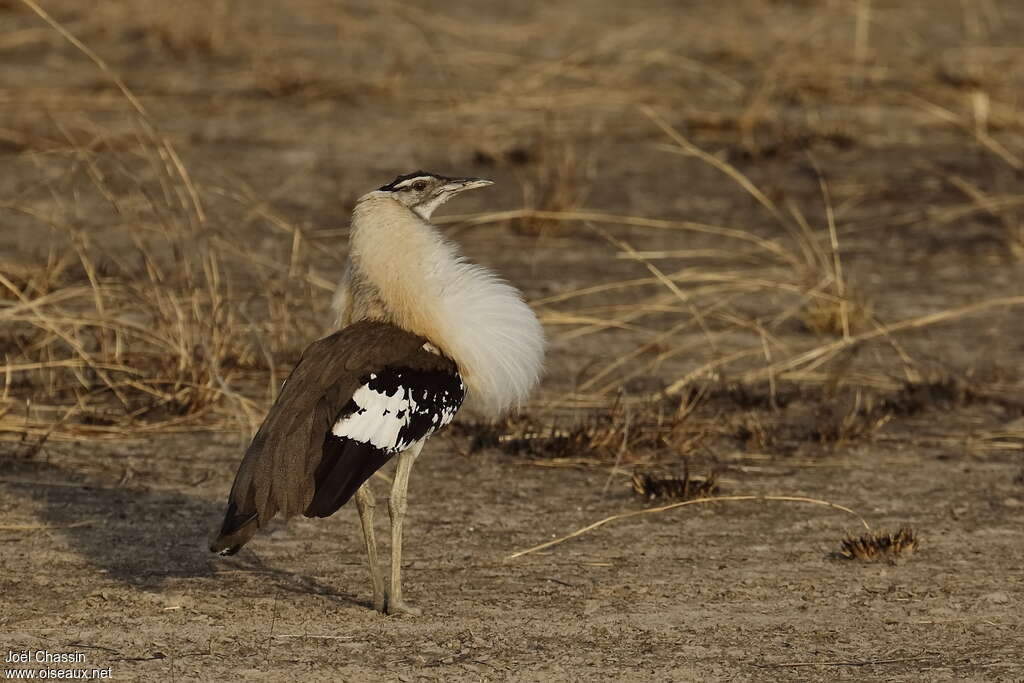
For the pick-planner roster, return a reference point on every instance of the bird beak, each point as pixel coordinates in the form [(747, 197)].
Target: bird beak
[(456, 185)]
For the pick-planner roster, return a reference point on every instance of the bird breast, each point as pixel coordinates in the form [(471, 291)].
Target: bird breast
[(404, 272)]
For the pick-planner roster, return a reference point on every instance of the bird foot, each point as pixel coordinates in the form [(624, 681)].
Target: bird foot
[(398, 607)]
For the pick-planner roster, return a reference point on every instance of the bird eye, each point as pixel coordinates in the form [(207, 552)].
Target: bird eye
[(419, 185)]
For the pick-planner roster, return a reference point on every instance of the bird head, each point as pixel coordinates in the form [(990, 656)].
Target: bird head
[(423, 192)]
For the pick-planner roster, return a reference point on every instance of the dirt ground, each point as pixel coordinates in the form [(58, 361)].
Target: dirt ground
[(258, 125)]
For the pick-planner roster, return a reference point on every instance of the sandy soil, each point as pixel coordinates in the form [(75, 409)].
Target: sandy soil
[(733, 591), (283, 117)]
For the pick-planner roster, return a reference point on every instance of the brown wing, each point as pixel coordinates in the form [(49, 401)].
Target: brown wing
[(278, 471)]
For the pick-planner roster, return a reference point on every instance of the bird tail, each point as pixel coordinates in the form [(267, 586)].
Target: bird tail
[(242, 518), (238, 527)]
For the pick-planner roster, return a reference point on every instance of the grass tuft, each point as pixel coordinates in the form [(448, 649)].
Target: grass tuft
[(832, 316), (658, 483), (878, 546)]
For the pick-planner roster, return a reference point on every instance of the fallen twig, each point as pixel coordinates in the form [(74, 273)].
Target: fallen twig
[(44, 527), (854, 662), (663, 508)]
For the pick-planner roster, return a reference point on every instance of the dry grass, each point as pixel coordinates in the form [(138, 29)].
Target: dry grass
[(153, 339), (714, 419), (623, 433), (878, 546), (555, 181), (109, 343), (192, 326), (652, 484), (835, 317), (688, 503)]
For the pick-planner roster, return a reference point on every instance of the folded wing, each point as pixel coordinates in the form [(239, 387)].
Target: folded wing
[(355, 399)]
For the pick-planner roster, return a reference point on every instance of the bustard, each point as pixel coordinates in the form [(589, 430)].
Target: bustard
[(420, 329)]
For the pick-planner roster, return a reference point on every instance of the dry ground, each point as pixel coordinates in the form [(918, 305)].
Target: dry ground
[(779, 240)]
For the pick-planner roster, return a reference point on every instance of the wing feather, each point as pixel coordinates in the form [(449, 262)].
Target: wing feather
[(278, 471)]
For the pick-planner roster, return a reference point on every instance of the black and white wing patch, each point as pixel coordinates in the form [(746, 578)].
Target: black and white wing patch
[(391, 410), (397, 407)]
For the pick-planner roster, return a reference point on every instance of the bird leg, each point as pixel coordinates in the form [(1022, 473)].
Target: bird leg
[(366, 504), (396, 507)]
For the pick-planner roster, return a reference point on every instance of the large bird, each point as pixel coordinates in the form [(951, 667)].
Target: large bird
[(420, 330)]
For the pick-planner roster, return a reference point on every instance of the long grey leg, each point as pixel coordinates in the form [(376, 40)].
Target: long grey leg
[(366, 504), (396, 506)]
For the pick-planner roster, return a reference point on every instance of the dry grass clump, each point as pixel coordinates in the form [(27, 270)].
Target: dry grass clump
[(556, 181), (138, 323), (659, 483), (878, 546), (829, 315), (819, 420), (817, 415), (617, 433), (100, 349), (153, 335), (754, 435), (831, 304), (940, 391), (859, 421)]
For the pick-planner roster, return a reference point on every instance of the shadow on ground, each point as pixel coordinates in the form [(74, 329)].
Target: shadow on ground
[(136, 535)]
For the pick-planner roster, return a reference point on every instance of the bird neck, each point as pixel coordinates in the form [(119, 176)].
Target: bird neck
[(402, 271), (392, 253)]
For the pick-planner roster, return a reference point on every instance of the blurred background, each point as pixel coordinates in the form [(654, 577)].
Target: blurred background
[(683, 192), (754, 231)]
